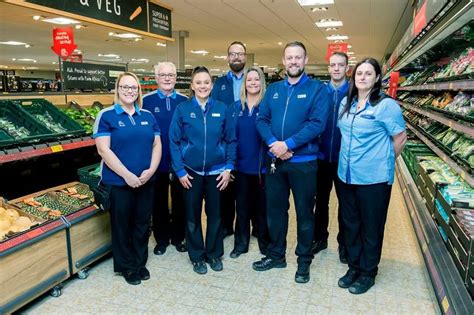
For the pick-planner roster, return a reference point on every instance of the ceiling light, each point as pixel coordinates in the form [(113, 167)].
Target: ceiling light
[(349, 46), (331, 29), (328, 23), (280, 43), (61, 21), (37, 17), (350, 53), (188, 66), (139, 60), (161, 44), (215, 69), (54, 62), (3, 67), (314, 2), (124, 35), (13, 43), (139, 70), (220, 57), (138, 39), (24, 59), (27, 46), (199, 52), (337, 37), (255, 64), (109, 55), (30, 68), (79, 26), (319, 9)]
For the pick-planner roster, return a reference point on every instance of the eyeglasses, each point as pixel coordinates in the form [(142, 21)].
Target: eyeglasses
[(125, 88), (235, 55), (166, 75)]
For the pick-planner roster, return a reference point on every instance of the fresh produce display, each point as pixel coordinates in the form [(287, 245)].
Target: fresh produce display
[(421, 77), (463, 104), (17, 132), (49, 122), (11, 221), (82, 117), (465, 218), (462, 65)]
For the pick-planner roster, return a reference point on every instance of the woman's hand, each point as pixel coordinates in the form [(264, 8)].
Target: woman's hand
[(145, 176), (186, 181), (132, 180), (223, 180)]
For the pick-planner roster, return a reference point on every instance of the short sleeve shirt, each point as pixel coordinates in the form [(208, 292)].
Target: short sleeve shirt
[(131, 139)]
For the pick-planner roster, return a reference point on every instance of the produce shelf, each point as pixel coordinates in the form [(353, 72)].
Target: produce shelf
[(48, 148), (446, 158), (465, 85), (453, 297), (467, 130)]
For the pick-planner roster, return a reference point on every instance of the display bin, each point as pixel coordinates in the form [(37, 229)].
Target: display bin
[(457, 261), (86, 177), (430, 185), (464, 239), (426, 194), (41, 106), (16, 115), (36, 221), (32, 264), (441, 222)]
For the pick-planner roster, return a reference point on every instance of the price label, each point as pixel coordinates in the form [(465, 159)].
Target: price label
[(57, 148), (445, 304), (463, 175)]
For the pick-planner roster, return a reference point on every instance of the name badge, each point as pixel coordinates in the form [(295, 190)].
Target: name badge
[(370, 112), (216, 115), (368, 117), (144, 123), (301, 96)]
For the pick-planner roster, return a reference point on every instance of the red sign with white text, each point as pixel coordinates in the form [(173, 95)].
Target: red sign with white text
[(63, 42), (419, 21), (393, 85), (332, 48)]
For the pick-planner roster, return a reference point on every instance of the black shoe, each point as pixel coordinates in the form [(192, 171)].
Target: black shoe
[(362, 285), (319, 246), (302, 273), (348, 279), (215, 264), (235, 253), (144, 273), (132, 277), (200, 267), (181, 247), (159, 250), (227, 232), (343, 254), (267, 263)]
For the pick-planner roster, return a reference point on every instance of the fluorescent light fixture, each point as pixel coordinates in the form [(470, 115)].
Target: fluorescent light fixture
[(139, 60), (161, 44), (199, 52), (188, 66), (80, 26), (255, 64), (350, 53), (328, 29), (314, 2), (337, 37), (24, 59), (30, 68), (13, 43), (139, 70), (54, 62), (3, 67), (280, 43), (220, 57), (215, 70), (61, 21), (328, 23), (109, 55), (320, 9), (124, 35), (37, 17)]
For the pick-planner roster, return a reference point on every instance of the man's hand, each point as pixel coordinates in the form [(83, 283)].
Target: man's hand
[(186, 181), (278, 148), (288, 155), (223, 180)]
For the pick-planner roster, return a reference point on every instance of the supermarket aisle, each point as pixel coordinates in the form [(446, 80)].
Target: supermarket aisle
[(402, 286)]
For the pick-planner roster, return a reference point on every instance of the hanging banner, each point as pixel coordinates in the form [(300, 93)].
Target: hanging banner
[(63, 42), (332, 48), (419, 22), (393, 85)]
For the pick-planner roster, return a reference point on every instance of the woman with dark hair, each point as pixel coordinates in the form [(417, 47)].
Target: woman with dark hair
[(373, 135), (203, 145), (250, 180)]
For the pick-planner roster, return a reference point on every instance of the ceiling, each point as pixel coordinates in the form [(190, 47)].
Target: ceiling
[(373, 26)]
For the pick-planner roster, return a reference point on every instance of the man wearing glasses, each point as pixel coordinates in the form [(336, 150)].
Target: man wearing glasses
[(162, 103), (227, 90)]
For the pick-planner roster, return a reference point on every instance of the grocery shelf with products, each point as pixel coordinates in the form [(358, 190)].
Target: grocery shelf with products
[(436, 171)]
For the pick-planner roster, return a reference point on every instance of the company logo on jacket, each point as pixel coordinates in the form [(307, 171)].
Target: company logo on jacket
[(121, 124), (157, 109), (275, 96), (192, 115), (222, 87)]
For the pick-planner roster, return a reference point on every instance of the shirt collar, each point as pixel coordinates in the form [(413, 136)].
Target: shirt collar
[(196, 103), (343, 88), (232, 76), (119, 109), (302, 80), (354, 106), (163, 96)]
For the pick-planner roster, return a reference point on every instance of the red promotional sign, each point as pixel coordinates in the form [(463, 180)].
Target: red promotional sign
[(393, 85), (63, 42), (332, 48), (419, 22)]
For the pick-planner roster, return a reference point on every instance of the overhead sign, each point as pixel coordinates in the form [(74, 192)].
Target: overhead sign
[(332, 48), (90, 76), (137, 15), (419, 22), (63, 42)]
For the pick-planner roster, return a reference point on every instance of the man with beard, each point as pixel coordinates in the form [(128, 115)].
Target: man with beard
[(227, 90), (292, 115)]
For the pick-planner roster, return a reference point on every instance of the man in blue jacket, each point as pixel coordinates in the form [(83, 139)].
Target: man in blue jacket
[(227, 90), (330, 143), (292, 115), (162, 103)]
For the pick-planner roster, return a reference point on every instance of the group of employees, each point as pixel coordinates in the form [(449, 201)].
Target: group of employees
[(242, 148)]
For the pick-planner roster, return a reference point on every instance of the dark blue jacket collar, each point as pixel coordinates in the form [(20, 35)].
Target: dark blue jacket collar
[(302, 80), (343, 88)]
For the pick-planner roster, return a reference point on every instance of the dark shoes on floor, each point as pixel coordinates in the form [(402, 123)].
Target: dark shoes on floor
[(215, 264), (181, 247), (343, 254), (348, 279), (319, 246), (302, 273), (235, 253), (143, 273), (132, 277), (159, 250), (200, 267), (362, 285), (267, 263)]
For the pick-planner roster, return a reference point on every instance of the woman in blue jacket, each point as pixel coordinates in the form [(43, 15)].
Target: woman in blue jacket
[(203, 145), (373, 135), (250, 180)]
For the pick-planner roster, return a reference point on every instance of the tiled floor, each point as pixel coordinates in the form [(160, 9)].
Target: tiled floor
[(402, 286)]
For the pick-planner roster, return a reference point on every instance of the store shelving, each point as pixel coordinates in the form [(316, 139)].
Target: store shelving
[(464, 85)]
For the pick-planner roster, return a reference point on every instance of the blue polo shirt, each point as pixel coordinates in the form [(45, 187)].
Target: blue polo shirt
[(131, 139), (367, 155)]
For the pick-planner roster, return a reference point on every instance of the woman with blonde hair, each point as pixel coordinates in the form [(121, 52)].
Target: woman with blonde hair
[(128, 140), (250, 181)]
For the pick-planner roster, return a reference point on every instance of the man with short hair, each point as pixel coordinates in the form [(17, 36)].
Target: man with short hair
[(227, 90), (330, 143), (162, 103), (292, 115)]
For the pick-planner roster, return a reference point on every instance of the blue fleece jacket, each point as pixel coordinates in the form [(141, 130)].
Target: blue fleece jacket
[(330, 140), (250, 147), (203, 141), (223, 89), (163, 108), (294, 113)]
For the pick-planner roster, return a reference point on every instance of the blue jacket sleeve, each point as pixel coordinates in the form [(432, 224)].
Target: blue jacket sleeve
[(316, 121), (263, 120), (230, 138), (176, 135)]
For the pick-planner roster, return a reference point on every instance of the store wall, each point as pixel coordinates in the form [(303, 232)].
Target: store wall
[(36, 74)]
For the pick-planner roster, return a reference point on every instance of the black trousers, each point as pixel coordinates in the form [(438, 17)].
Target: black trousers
[(168, 227), (130, 215), (228, 207), (364, 211), (203, 187), (250, 193), (300, 178), (327, 175)]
